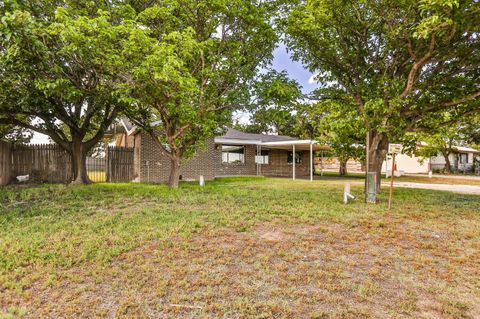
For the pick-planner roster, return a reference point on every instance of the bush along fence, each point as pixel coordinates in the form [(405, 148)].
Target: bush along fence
[(50, 163)]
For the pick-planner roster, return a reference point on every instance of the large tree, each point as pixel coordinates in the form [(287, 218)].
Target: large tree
[(193, 63), (59, 72), (404, 63)]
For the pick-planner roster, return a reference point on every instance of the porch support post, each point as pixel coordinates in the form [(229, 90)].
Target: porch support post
[(256, 159), (311, 161), (294, 160)]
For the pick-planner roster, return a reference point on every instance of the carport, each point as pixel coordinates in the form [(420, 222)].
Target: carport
[(294, 146)]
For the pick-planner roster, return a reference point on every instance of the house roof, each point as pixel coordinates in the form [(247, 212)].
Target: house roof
[(465, 149), (237, 137), (264, 138), (122, 125), (127, 123)]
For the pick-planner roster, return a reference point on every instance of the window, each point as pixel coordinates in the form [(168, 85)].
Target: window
[(463, 158), (262, 158), (298, 158), (233, 154)]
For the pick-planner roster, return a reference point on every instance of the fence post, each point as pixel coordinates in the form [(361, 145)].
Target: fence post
[(107, 164)]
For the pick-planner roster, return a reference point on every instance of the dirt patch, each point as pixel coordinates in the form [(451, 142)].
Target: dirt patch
[(272, 236)]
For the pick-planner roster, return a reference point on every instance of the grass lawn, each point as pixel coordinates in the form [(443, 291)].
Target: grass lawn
[(239, 247)]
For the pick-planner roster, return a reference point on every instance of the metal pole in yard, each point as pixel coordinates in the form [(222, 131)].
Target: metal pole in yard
[(367, 163), (391, 183), (294, 160), (311, 161), (321, 164), (260, 165)]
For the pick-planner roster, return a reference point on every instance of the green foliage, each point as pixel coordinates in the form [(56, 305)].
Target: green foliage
[(444, 140), (61, 70), (275, 101), (192, 64), (14, 134), (334, 121), (406, 65)]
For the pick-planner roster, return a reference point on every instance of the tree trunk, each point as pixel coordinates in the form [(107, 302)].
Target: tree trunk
[(343, 168), (376, 153), (174, 171), (448, 165), (78, 152)]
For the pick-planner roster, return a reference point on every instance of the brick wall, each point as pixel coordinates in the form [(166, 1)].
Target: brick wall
[(278, 164), (153, 165), (249, 167)]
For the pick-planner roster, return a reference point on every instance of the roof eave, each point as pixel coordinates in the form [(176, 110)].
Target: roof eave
[(236, 141)]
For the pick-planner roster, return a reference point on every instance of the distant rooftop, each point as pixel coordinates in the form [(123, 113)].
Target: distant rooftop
[(465, 149)]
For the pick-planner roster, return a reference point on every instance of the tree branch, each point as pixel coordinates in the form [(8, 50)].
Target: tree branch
[(416, 66)]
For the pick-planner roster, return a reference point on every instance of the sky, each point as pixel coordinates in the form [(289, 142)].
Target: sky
[(281, 61)]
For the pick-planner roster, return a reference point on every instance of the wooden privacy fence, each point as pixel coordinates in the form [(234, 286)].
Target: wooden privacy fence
[(120, 164), (5, 163), (42, 162), (50, 163)]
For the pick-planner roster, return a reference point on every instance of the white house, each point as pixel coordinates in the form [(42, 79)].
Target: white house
[(462, 160)]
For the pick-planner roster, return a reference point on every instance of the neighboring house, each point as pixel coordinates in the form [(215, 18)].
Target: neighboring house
[(121, 131), (462, 160), (233, 154)]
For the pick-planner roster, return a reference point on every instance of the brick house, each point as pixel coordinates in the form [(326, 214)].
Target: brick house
[(233, 154)]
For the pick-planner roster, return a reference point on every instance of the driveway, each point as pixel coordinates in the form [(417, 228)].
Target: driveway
[(459, 177), (463, 189)]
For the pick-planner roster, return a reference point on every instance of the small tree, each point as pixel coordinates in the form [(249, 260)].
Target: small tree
[(444, 140), (276, 98), (334, 122), (192, 64), (440, 143), (59, 74)]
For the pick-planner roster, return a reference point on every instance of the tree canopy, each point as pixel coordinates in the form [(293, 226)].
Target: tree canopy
[(407, 65), (275, 99), (445, 140), (193, 63), (60, 73)]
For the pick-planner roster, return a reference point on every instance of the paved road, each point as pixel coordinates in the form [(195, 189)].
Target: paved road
[(460, 177), (464, 189)]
